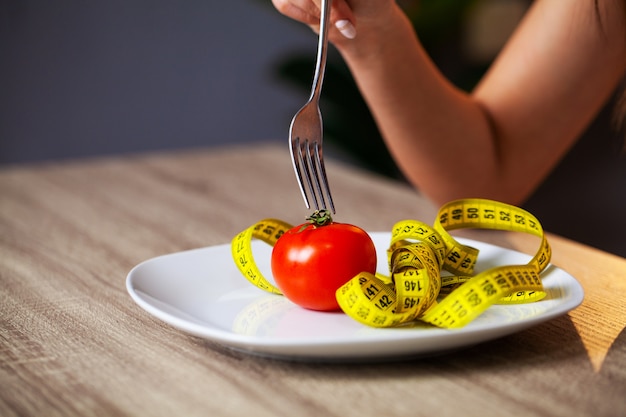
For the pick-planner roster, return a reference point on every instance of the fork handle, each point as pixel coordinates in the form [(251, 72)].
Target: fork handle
[(322, 51)]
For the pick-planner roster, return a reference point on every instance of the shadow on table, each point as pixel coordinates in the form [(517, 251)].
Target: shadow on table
[(613, 366), (548, 343)]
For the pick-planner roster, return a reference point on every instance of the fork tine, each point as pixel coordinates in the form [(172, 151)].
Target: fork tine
[(313, 175), (299, 167), (309, 175), (308, 161), (319, 157)]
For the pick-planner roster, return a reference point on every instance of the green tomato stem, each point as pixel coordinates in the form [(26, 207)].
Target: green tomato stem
[(318, 218)]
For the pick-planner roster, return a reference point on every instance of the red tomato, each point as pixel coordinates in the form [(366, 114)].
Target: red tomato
[(310, 262)]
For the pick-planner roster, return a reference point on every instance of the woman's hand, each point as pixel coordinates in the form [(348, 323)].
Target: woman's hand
[(346, 16)]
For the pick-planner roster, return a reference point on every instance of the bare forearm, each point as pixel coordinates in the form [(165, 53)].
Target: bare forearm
[(504, 138)]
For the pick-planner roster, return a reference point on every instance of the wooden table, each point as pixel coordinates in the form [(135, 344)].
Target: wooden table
[(73, 343)]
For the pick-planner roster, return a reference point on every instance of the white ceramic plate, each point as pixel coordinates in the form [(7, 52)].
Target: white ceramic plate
[(201, 292)]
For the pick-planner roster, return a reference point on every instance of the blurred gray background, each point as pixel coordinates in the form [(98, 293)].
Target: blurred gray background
[(81, 78)]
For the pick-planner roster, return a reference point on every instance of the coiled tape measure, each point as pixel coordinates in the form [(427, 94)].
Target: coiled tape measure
[(431, 275)]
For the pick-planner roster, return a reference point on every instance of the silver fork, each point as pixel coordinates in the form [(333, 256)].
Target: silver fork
[(306, 132)]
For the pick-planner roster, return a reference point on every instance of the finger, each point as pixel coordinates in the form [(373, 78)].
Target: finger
[(308, 12), (342, 19), (305, 12)]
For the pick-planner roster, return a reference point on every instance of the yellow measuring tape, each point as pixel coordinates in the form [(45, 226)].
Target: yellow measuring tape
[(431, 275)]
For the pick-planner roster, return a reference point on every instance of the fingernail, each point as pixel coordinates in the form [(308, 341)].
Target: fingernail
[(346, 28)]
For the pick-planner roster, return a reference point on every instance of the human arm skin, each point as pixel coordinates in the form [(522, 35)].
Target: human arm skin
[(502, 139)]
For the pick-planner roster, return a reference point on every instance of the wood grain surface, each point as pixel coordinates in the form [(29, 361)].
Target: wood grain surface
[(73, 343)]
